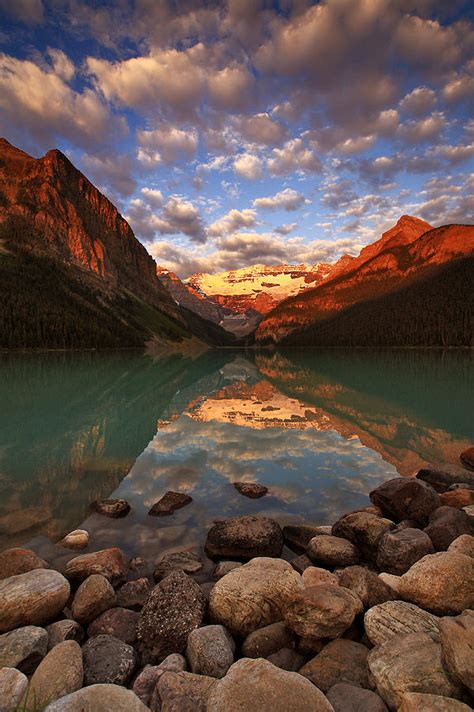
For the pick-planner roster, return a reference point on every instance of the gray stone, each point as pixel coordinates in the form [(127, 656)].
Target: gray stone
[(94, 596), (457, 642), (23, 648), (108, 660), (64, 630), (32, 598), (339, 661), (401, 548), (244, 538), (186, 561), (107, 562), (58, 674), (250, 489), (121, 623), (349, 698), (210, 651), (146, 681), (268, 640), (13, 686), (99, 698), (323, 611), (332, 551), (366, 584), (394, 618), (405, 498), (114, 508), (19, 561)]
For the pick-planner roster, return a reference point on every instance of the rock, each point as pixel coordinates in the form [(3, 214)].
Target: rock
[(77, 539), (469, 511), (301, 563), (405, 498), (251, 490), (298, 536), (349, 698), (409, 663), (185, 561), (99, 698), (323, 611), (107, 562), (467, 458), (259, 685), (254, 595), (442, 583), (33, 598), (458, 498), (339, 661), (314, 576), (464, 544), (400, 549), (147, 679), (133, 594), (364, 530), (19, 561), (266, 641), (223, 567), (58, 674), (461, 485), (210, 651), (366, 585), (169, 503), (394, 618), (23, 648), (391, 581), (139, 568), (108, 660), (418, 702), (442, 476), (457, 642), (446, 524), (244, 538), (206, 589), (176, 691), (332, 551), (64, 630), (121, 623), (94, 596), (114, 508), (173, 609), (287, 659), (13, 686)]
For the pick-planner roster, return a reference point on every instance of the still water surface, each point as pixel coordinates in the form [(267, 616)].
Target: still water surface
[(319, 429)]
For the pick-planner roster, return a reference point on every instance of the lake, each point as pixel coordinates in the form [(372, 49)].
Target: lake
[(319, 429)]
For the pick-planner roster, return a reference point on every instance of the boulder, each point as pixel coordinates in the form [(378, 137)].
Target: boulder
[(251, 490), (298, 536), (457, 498), (464, 544), (13, 686), (259, 685), (32, 598), (332, 551), (349, 698), (23, 648), (173, 609), (146, 681), (391, 581), (210, 651), (77, 539), (58, 674), (185, 561), (133, 594), (169, 503), (287, 659), (103, 698), (446, 524), (364, 530), (313, 576), (114, 508), (339, 661), (405, 498), (401, 548), (366, 585), (176, 691), (19, 561), (323, 611), (457, 642), (409, 663), (121, 623), (64, 630), (108, 660), (223, 567), (107, 562), (467, 458), (254, 595), (94, 596), (244, 538), (442, 583), (418, 702), (442, 476), (268, 640), (394, 618), (301, 562)]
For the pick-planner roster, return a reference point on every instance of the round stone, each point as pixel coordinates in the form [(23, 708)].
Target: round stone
[(401, 548), (108, 660), (324, 611), (94, 596), (332, 551), (32, 598), (210, 651), (389, 620), (244, 538)]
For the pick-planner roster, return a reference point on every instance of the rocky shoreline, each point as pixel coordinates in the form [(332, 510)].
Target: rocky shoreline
[(372, 614)]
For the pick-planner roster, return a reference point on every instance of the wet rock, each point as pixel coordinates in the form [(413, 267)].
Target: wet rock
[(13, 686), (366, 585), (19, 561), (339, 661), (259, 685), (418, 702), (223, 567), (244, 538), (169, 503), (349, 698), (467, 458), (332, 551), (314, 576), (287, 659), (394, 618), (147, 679), (268, 640), (178, 691), (364, 530), (32, 598), (107, 562), (442, 476), (442, 583), (301, 563), (185, 561), (409, 663), (254, 595), (457, 642), (114, 508), (298, 536), (103, 698), (324, 611), (23, 648), (173, 609), (210, 651), (108, 660), (94, 596), (400, 549), (251, 490), (133, 594), (119, 622), (77, 539), (458, 498), (58, 674), (139, 568), (64, 630), (405, 498), (464, 544), (446, 524)]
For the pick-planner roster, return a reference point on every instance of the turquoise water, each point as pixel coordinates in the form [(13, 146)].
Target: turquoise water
[(319, 429)]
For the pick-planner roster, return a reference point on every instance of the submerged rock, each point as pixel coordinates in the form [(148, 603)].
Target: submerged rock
[(114, 508), (19, 561), (32, 598), (169, 503), (244, 538), (250, 489), (186, 561)]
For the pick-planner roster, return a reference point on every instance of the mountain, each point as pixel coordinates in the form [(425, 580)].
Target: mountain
[(72, 273), (413, 287)]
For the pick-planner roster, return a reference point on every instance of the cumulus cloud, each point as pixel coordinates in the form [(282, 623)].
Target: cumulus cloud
[(294, 156), (168, 143), (31, 12), (115, 172), (419, 101), (287, 199), (422, 130), (233, 221), (286, 229), (248, 166), (153, 197), (260, 129), (178, 217)]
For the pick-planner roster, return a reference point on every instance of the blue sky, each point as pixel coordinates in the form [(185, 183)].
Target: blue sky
[(249, 131)]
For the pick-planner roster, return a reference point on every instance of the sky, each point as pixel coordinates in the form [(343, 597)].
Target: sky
[(240, 132)]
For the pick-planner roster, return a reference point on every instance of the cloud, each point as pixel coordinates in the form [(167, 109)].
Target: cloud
[(113, 171), (62, 65), (287, 199), (178, 217), (233, 221), (286, 229), (248, 166), (229, 88), (153, 197), (168, 143), (424, 129), (419, 101), (294, 156), (260, 129), (31, 12)]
